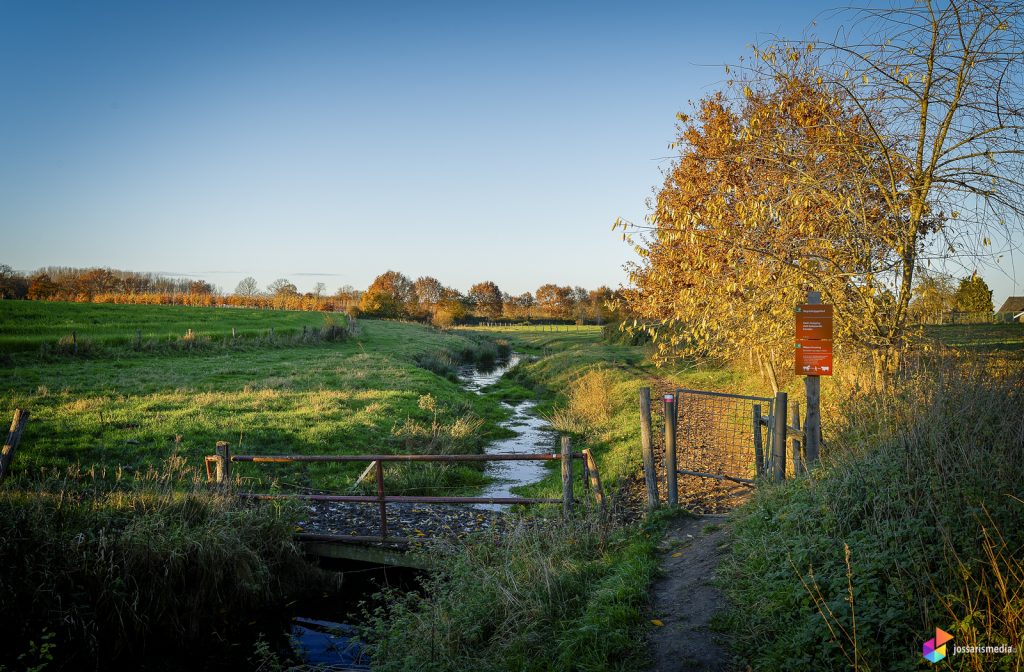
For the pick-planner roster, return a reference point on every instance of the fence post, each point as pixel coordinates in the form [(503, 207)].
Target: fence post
[(647, 445), (595, 477), (670, 450), (798, 466), (380, 499), (223, 452), (779, 437), (758, 447), (566, 477), (232, 333), (138, 339), (585, 476), (13, 439), (74, 342)]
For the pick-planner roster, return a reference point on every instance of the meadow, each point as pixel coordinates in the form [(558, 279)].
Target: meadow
[(127, 410), (30, 325)]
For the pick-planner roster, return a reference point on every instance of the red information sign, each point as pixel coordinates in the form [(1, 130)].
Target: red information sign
[(813, 340), (814, 322), (813, 358)]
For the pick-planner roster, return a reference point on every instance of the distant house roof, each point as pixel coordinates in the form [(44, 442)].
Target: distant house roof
[(1014, 304)]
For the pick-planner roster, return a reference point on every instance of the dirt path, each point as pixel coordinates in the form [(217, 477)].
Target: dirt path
[(684, 599)]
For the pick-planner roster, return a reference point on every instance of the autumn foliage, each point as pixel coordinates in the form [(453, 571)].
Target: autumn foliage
[(763, 205), (391, 295)]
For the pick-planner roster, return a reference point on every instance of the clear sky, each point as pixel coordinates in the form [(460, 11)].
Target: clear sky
[(331, 141)]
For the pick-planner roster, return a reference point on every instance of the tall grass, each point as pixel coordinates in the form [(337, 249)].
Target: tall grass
[(925, 487), (588, 405), (150, 565), (553, 596)]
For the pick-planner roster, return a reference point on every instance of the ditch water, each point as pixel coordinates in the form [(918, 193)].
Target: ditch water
[(322, 630), (533, 434)]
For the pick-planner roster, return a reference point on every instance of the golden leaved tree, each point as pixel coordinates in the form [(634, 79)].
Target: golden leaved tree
[(764, 203), (843, 167)]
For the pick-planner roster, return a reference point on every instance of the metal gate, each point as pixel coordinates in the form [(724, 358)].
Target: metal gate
[(722, 436)]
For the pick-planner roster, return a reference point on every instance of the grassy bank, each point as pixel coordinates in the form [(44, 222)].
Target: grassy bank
[(562, 596), (915, 522), (151, 573)]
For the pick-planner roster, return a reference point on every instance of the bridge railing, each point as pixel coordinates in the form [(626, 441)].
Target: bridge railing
[(222, 460)]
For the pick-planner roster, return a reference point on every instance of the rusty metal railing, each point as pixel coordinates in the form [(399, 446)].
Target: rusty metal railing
[(223, 459)]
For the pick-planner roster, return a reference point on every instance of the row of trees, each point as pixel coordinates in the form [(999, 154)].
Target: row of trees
[(391, 295), (844, 167), (59, 283)]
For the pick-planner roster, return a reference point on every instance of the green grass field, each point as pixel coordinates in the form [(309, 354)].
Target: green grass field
[(27, 325), (129, 410), (990, 339)]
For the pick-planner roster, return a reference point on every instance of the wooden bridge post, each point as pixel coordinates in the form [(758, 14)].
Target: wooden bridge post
[(595, 477), (566, 477), (758, 447), (779, 437), (647, 445), (13, 439), (671, 476), (223, 452)]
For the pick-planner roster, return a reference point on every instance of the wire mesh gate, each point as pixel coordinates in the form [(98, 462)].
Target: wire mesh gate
[(721, 436)]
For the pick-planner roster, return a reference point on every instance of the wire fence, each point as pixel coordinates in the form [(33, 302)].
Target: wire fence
[(715, 434)]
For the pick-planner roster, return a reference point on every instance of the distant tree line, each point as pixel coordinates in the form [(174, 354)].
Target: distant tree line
[(390, 295), (394, 295)]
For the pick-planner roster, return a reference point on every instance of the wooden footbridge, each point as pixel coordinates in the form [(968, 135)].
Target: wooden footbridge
[(384, 546)]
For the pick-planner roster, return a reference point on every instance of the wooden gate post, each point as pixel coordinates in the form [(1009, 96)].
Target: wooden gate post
[(798, 466), (647, 445), (670, 450), (758, 448), (566, 477), (779, 437), (13, 439)]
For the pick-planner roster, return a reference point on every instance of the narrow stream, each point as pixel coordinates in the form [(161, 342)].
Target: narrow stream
[(316, 633), (533, 435)]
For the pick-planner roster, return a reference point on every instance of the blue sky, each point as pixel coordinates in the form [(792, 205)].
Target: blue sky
[(331, 141)]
